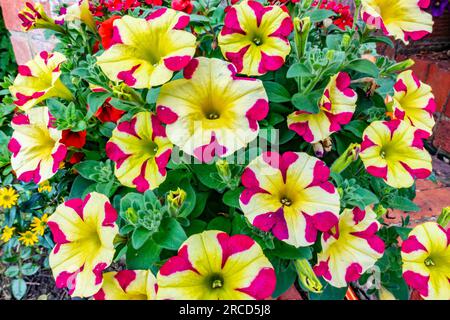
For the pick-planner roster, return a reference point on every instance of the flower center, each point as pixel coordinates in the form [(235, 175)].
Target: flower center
[(216, 281), (429, 262), (151, 148), (212, 115), (6, 198), (286, 202), (257, 40)]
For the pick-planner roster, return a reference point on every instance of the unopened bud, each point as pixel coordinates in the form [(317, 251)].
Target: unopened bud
[(302, 28), (380, 210), (385, 294), (223, 168), (318, 149), (306, 276), (327, 22), (349, 155), (345, 40), (400, 66), (327, 144), (175, 200), (131, 216), (444, 218)]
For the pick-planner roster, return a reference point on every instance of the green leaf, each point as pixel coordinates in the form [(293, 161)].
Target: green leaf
[(220, 223), (196, 226), (144, 257), (171, 234), (12, 271), (285, 251), (285, 279), (329, 292), (380, 39), (28, 269), (319, 15), (364, 66), (298, 70), (18, 288), (95, 100), (276, 92), (200, 204), (356, 127), (402, 203), (87, 168), (305, 103), (79, 187), (139, 237), (231, 197), (152, 95)]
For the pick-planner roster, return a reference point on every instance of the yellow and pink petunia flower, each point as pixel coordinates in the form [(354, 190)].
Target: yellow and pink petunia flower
[(426, 261), (255, 37), (127, 285), (402, 19), (350, 248), (146, 52), (140, 149), (290, 195), (83, 231), (35, 146), (215, 266), (394, 151), (212, 112), (336, 108), (79, 11), (33, 16), (38, 80), (414, 101)]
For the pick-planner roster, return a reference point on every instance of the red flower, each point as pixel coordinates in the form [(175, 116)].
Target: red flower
[(154, 2), (343, 16), (76, 157), (107, 113), (106, 31), (74, 139), (182, 5)]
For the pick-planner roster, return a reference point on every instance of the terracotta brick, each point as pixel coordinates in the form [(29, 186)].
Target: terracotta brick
[(439, 80), (421, 68), (21, 47), (441, 135), (11, 9), (430, 201)]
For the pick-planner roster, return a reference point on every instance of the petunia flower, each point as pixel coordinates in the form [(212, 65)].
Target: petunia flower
[(140, 149), (38, 80), (414, 101), (182, 5), (35, 146), (146, 52), (33, 16), (74, 139), (393, 150), (402, 19), (289, 195), (212, 112), (215, 266), (336, 108), (350, 248), (83, 231), (106, 32), (127, 285), (79, 11), (426, 261), (254, 37)]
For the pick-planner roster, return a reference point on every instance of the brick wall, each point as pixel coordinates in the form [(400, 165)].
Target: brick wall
[(26, 44)]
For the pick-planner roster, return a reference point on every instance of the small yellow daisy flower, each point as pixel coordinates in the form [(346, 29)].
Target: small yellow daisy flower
[(7, 234), (8, 197), (38, 225), (28, 238), (44, 187)]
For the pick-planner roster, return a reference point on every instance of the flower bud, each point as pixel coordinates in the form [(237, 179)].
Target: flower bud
[(306, 276), (327, 22), (175, 200), (318, 149), (400, 66), (385, 294), (33, 16), (223, 168), (80, 12), (380, 210), (349, 155), (345, 41), (327, 144), (301, 33), (132, 216), (444, 218)]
